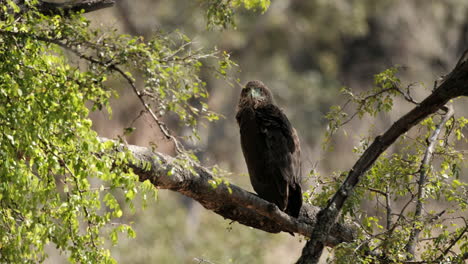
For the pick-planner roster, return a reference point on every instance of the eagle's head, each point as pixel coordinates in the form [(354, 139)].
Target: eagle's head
[(255, 94)]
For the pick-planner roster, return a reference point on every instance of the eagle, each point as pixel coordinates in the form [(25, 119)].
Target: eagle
[(271, 148)]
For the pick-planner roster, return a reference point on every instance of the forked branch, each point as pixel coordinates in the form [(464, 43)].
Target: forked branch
[(453, 86)]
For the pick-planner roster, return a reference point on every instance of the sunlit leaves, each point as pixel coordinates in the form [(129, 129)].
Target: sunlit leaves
[(221, 12), (49, 171), (261, 5), (58, 184)]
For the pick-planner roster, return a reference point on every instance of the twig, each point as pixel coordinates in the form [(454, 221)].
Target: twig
[(112, 67), (452, 243), (361, 101), (161, 125), (388, 208), (202, 260)]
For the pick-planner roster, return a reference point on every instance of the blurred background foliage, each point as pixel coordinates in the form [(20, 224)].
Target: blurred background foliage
[(305, 51)]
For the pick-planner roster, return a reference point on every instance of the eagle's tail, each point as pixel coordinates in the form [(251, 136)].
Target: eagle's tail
[(294, 201)]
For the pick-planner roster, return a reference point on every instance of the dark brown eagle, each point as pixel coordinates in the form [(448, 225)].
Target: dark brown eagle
[(271, 148)]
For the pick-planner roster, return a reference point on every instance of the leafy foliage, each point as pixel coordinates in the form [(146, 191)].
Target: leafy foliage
[(51, 177), (398, 181), (221, 12), (58, 181)]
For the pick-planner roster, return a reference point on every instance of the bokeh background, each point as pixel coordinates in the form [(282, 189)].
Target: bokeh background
[(305, 51)]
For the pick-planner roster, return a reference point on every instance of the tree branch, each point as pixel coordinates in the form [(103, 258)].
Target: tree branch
[(453, 241), (227, 200), (66, 8), (73, 6), (423, 171), (454, 85)]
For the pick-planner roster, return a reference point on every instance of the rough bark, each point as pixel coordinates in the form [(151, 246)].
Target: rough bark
[(75, 6), (228, 200), (454, 85), (50, 8)]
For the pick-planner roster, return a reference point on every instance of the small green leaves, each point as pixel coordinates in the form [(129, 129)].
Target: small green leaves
[(128, 131), (218, 181), (53, 170), (220, 178), (221, 12), (58, 183), (114, 234), (261, 5), (399, 179), (13, 6)]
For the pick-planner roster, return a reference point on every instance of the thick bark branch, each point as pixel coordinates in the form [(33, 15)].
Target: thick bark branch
[(74, 6), (454, 85), (228, 200), (50, 8)]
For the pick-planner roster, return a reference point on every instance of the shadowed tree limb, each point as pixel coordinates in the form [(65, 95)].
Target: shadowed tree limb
[(74, 6), (454, 85), (50, 8), (227, 200)]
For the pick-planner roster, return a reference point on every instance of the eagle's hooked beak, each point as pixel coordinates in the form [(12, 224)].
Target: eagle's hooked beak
[(255, 93)]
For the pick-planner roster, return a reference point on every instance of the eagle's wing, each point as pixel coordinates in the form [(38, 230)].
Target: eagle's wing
[(283, 151), (271, 117)]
